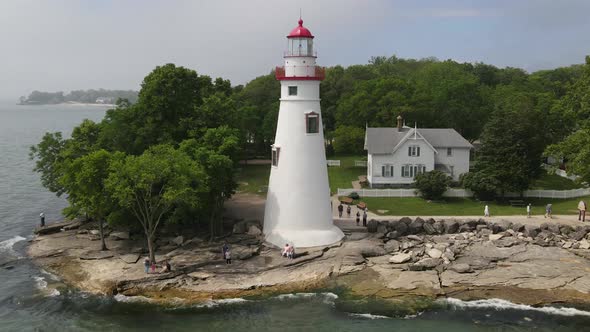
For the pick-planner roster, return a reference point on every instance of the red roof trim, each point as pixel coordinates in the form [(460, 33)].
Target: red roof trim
[(300, 31)]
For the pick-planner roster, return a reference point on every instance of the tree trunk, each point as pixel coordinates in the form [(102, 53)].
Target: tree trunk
[(150, 243), (103, 245)]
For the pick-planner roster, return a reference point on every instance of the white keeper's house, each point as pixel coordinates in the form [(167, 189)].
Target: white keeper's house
[(396, 155)]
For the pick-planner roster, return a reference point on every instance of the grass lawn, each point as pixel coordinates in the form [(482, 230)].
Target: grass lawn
[(554, 182), (252, 178), (416, 206)]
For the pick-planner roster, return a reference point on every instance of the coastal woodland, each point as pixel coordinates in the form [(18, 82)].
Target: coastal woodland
[(77, 96), (168, 158)]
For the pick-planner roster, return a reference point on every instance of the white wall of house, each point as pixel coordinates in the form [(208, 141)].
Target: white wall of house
[(397, 160), (458, 160)]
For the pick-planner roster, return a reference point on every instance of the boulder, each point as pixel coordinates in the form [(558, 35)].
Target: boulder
[(461, 268), (494, 237), (479, 228), (391, 246), (517, 227), (429, 228), (240, 227), (415, 238), (254, 230), (531, 230), (554, 228), (373, 251), (400, 258), (405, 220), (426, 263), (544, 226), (567, 244), (401, 227), (415, 227), (584, 244), (392, 235), (565, 230), (117, 236), (501, 226), (434, 253), (507, 242), (382, 228), (94, 232), (372, 226), (439, 227), (178, 241), (578, 235), (451, 226)]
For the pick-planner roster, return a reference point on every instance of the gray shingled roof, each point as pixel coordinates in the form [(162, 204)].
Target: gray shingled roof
[(383, 140)]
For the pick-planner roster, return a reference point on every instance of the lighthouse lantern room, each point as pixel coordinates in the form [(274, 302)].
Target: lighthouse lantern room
[(298, 209)]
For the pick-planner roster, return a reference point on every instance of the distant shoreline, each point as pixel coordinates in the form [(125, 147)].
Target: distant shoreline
[(69, 103)]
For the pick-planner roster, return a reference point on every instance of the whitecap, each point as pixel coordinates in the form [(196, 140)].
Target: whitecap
[(329, 298), (499, 304), (368, 316), (7, 245), (40, 282), (215, 303)]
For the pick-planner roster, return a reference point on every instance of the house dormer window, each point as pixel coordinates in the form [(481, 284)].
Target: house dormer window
[(275, 155), (312, 123), (414, 151)]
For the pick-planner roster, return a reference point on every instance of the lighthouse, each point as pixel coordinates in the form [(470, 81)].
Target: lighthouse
[(298, 209)]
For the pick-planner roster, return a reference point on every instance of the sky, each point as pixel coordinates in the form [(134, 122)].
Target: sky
[(62, 45)]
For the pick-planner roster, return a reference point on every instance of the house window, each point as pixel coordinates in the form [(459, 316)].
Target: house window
[(292, 91), (275, 156), (410, 171), (312, 123), (414, 151), (387, 171), (449, 152), (452, 168)]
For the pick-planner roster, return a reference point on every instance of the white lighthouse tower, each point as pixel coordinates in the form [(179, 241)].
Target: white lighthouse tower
[(298, 209)]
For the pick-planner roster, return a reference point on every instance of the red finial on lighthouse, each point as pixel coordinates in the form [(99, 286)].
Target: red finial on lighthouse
[(300, 31), (300, 22)]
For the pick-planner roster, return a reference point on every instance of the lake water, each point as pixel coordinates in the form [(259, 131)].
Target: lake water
[(34, 300)]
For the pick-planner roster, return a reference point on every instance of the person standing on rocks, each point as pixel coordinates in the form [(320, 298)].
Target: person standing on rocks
[(348, 211), (358, 217), (224, 249), (582, 211), (365, 217), (42, 217), (528, 210), (340, 210), (146, 265), (486, 211), (153, 267), (228, 257)]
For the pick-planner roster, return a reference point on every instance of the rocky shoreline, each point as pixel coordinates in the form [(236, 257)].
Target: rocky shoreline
[(389, 260)]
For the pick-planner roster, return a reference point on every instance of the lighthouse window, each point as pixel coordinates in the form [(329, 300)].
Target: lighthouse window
[(292, 91), (275, 156), (312, 123)]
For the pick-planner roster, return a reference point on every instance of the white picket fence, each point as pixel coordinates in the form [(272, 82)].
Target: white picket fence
[(562, 194), (360, 163), (333, 162)]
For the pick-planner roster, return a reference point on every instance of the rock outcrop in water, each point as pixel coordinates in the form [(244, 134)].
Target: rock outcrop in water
[(465, 259)]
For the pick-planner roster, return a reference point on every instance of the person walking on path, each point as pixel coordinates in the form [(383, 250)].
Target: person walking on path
[(528, 210), (224, 249), (582, 210), (228, 257), (486, 211), (42, 217), (548, 211), (146, 265), (358, 217), (365, 217), (340, 210), (348, 211)]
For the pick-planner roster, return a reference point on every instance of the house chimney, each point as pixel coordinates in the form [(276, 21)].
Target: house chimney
[(399, 123)]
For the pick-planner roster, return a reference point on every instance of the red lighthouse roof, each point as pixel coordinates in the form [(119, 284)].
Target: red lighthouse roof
[(300, 31)]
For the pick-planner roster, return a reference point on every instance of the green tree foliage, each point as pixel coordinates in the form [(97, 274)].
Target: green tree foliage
[(576, 150), (152, 183), (484, 186), (432, 185), (349, 140), (48, 161)]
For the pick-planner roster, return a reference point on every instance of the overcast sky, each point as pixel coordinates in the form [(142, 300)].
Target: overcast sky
[(64, 45)]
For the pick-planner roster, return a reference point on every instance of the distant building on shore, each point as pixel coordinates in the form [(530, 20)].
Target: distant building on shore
[(105, 100), (396, 155)]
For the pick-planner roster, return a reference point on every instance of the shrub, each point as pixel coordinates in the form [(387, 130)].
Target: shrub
[(354, 195), (432, 185), (484, 187)]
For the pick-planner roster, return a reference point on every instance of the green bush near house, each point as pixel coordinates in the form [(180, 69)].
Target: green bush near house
[(432, 185)]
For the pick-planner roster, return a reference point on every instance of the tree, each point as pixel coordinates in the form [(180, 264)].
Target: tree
[(576, 150), (349, 140), (85, 179), (152, 183), (484, 186), (432, 185), (49, 161)]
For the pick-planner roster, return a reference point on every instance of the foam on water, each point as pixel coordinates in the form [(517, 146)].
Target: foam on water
[(499, 304), (368, 316), (131, 299), (329, 298), (6, 245)]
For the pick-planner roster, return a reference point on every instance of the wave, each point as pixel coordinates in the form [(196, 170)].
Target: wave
[(219, 302), (329, 298), (41, 284), (368, 316), (499, 304), (7, 245)]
